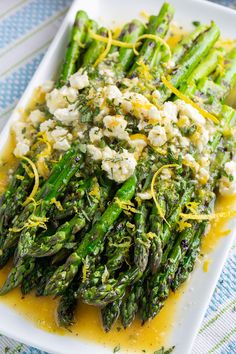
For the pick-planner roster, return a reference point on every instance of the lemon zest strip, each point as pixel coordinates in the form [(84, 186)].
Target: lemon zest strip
[(114, 42), (57, 203), (180, 95), (208, 216), (127, 206), (155, 38), (103, 55), (159, 209), (36, 181)]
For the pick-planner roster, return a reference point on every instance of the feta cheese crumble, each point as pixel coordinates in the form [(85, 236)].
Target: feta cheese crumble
[(227, 184)]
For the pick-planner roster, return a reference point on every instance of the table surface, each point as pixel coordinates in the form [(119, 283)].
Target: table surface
[(26, 30)]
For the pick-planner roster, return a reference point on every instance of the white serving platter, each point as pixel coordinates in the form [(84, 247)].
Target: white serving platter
[(188, 318)]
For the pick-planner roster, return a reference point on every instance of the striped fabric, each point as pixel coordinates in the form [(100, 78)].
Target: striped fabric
[(26, 29)]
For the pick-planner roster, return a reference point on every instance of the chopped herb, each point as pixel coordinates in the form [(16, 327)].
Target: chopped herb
[(196, 23), (116, 349)]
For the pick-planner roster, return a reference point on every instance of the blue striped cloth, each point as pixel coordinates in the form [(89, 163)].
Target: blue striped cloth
[(26, 30)]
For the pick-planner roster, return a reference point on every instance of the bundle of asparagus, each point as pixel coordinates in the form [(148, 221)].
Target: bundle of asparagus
[(120, 167)]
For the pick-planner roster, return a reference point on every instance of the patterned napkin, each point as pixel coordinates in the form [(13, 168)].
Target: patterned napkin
[(26, 30)]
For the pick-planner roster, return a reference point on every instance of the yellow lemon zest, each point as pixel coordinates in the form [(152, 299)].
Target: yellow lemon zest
[(21, 178), (95, 191), (57, 203), (103, 55), (155, 38), (36, 180), (151, 235), (116, 32), (130, 225), (159, 209), (85, 270), (144, 71), (43, 169), (192, 206), (115, 42), (28, 170), (182, 224), (32, 221), (127, 206), (139, 136), (180, 95), (208, 216)]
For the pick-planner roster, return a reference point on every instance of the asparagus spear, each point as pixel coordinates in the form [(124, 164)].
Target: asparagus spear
[(66, 308), (77, 39), (48, 246), (95, 49), (228, 79), (21, 269), (111, 290), (46, 189), (158, 25), (130, 304), (130, 34), (110, 314), (186, 43), (92, 240), (187, 263), (192, 58), (142, 241)]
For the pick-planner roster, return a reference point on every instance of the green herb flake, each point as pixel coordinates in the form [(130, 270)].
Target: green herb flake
[(116, 349)]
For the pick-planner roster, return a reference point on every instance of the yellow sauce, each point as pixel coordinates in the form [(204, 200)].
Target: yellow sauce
[(41, 311)]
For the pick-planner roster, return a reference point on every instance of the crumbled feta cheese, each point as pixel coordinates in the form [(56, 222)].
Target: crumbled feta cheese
[(190, 111), (19, 129), (204, 160), (95, 134), (115, 127), (112, 92), (156, 94), (190, 161), (70, 93), (166, 174), (22, 148), (119, 167), (138, 145), (170, 111), (47, 86), (107, 74), (62, 145), (36, 117), (200, 139), (96, 153), (47, 125), (79, 80), (139, 106), (59, 132), (184, 142), (55, 100), (157, 136), (203, 175), (145, 195), (228, 187), (67, 115)]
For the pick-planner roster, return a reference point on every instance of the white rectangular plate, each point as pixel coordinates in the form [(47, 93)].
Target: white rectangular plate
[(105, 11)]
